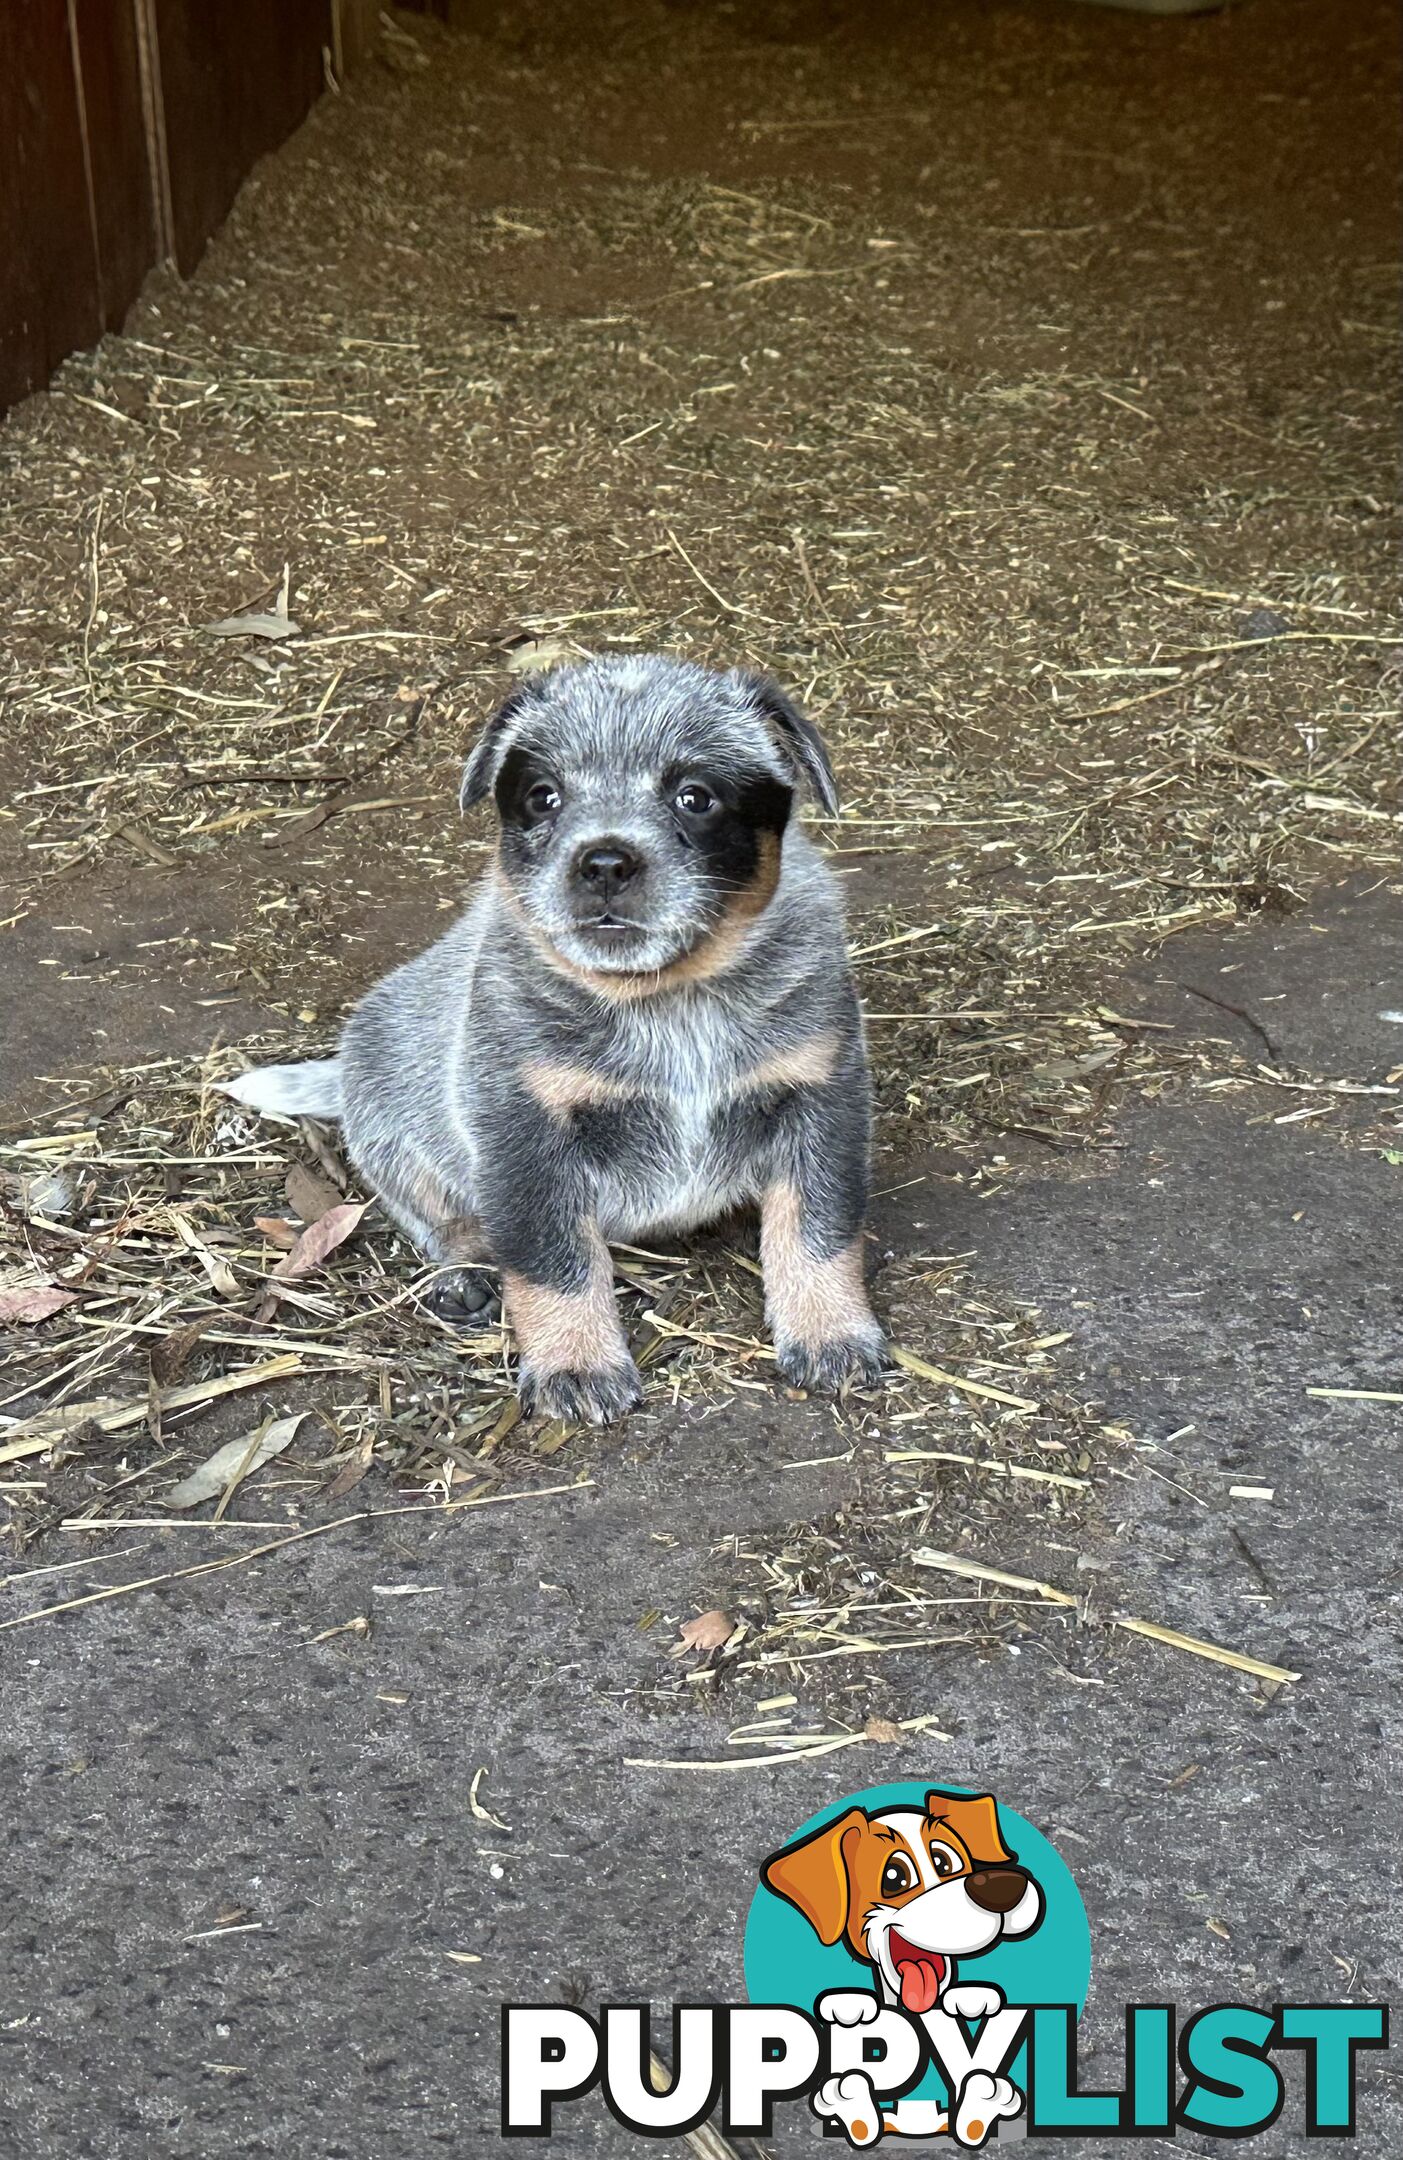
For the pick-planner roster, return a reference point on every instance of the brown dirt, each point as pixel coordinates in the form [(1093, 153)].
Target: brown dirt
[(971, 381), (942, 356)]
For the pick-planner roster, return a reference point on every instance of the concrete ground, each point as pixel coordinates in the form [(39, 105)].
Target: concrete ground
[(196, 1753), (256, 1902)]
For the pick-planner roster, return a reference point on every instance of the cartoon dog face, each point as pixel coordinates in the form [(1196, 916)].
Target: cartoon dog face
[(910, 1892)]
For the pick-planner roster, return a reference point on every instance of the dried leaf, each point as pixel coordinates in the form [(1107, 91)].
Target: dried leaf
[(33, 1301), (321, 1238), (278, 1230), (132, 833), (221, 1276), (351, 1473), (213, 1477), (1072, 1068), (707, 1632), (317, 1241), (360, 1625), (310, 1193)]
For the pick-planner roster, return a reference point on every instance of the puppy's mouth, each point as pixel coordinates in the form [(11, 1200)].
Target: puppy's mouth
[(618, 944), (921, 1974), (614, 929)]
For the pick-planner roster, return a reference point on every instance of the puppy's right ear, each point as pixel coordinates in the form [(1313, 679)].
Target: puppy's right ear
[(813, 1875), (804, 750), (485, 757)]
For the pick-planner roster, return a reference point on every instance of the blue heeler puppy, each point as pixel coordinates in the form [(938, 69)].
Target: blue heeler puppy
[(645, 1018)]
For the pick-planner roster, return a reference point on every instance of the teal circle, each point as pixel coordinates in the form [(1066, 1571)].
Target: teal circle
[(784, 1961)]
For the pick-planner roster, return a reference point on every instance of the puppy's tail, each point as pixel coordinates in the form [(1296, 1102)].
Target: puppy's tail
[(310, 1090)]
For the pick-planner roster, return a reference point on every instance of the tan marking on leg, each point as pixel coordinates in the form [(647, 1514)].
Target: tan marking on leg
[(567, 1330), (809, 1301), (808, 1064), (715, 952), (561, 1088)]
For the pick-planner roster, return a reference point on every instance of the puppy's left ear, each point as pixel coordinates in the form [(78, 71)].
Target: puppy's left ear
[(798, 740), (485, 757)]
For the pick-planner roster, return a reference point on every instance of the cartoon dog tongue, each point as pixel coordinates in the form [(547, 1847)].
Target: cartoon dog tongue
[(921, 1973)]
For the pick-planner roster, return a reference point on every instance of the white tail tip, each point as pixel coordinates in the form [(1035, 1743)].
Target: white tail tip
[(310, 1090)]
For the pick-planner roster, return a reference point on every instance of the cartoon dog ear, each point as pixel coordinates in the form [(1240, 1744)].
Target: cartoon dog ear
[(485, 757), (813, 1875), (798, 740), (975, 1822)]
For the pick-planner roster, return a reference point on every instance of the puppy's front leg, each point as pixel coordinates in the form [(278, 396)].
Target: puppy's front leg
[(825, 1332), (557, 1281), (574, 1359)]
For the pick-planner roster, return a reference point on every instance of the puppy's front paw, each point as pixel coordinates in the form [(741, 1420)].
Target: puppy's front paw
[(971, 2001), (852, 2101), (829, 1368), (847, 2006), (597, 1397), (984, 2101)]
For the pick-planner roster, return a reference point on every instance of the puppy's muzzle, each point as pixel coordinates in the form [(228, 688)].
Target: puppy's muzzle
[(605, 867), (997, 1890)]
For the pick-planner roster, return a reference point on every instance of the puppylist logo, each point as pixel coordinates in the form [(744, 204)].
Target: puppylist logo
[(917, 1960)]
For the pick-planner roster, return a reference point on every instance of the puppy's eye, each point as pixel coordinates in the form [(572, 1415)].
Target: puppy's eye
[(542, 800), (694, 800), (897, 1875), (944, 1861)]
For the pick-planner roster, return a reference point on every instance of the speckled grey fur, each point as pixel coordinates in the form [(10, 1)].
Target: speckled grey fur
[(432, 1077)]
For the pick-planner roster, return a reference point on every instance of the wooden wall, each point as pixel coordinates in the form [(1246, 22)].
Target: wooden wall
[(126, 127)]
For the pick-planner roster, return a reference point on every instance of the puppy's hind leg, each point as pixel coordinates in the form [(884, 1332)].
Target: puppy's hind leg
[(465, 1293), (440, 1221)]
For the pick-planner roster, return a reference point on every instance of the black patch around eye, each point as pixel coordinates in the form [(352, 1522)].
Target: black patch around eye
[(521, 770), (764, 803), (729, 842)]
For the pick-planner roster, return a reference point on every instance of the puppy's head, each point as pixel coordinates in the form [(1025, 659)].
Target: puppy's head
[(910, 1892), (643, 803)]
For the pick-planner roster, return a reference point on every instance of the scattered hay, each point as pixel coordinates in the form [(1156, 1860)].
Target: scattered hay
[(1104, 656)]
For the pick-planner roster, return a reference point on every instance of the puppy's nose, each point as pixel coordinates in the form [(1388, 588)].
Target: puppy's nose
[(997, 1889), (607, 868)]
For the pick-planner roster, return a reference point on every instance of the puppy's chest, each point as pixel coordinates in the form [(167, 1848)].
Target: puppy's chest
[(679, 1147)]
